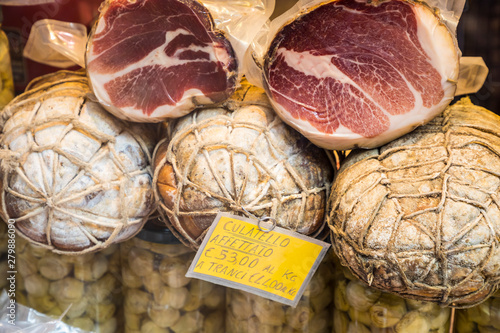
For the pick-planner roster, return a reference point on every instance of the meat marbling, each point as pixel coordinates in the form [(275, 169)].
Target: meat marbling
[(361, 73), (149, 60)]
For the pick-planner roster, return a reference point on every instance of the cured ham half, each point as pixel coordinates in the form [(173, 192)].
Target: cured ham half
[(149, 60), (361, 73)]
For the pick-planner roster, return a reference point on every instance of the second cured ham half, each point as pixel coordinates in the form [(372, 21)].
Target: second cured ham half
[(361, 73)]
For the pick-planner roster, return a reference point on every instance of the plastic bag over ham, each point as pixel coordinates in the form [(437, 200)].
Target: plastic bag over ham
[(350, 73), (149, 60), (155, 59)]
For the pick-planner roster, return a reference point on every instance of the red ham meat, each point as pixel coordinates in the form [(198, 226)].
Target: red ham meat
[(148, 60), (361, 73)]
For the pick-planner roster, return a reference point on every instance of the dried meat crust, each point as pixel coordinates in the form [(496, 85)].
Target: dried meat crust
[(74, 178), (420, 216), (240, 156)]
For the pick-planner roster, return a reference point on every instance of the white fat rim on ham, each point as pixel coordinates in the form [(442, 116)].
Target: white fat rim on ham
[(155, 57), (438, 44)]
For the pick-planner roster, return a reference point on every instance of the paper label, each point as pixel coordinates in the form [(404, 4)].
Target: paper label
[(277, 264)]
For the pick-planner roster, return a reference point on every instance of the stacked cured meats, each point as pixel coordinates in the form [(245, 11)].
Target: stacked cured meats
[(417, 216), (361, 73)]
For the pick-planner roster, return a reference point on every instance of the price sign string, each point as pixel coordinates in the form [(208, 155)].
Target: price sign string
[(261, 220)]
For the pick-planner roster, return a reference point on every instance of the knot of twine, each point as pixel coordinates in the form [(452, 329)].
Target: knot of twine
[(49, 203)]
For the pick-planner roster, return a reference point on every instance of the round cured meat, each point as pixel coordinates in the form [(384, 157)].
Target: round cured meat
[(74, 178), (149, 60), (420, 216), (359, 73), (241, 159)]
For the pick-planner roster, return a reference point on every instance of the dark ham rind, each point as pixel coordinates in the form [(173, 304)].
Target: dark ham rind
[(155, 51), (352, 66)]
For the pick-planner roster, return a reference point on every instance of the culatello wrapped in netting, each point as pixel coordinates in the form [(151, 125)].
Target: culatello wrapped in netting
[(420, 216), (75, 179), (239, 158)]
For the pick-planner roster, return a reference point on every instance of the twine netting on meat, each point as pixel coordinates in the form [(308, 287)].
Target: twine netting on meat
[(74, 178), (246, 160), (420, 217)]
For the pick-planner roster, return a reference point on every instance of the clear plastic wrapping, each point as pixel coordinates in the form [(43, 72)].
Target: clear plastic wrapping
[(85, 288), (361, 309), (449, 10), (242, 20), (30, 320), (473, 73), (313, 314), (56, 43), (62, 44), (158, 296)]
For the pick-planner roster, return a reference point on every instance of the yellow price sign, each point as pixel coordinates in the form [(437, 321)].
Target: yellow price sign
[(275, 264)]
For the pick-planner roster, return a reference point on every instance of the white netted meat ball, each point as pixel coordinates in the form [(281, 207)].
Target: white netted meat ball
[(74, 178)]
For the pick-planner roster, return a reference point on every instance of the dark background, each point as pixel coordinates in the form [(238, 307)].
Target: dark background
[(478, 34)]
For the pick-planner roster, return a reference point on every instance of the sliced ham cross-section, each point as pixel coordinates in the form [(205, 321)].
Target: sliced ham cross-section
[(148, 60), (361, 73)]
